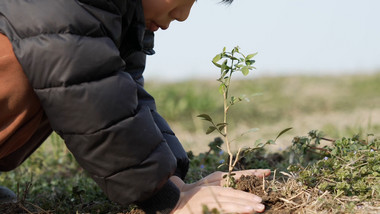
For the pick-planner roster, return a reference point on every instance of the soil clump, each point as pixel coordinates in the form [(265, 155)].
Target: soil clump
[(259, 187)]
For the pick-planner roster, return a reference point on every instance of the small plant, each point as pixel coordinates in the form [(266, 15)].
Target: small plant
[(234, 61)]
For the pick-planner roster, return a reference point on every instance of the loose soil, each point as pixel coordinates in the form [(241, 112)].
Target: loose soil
[(271, 198)]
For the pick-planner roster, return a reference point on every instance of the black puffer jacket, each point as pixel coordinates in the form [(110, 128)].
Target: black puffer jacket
[(85, 59)]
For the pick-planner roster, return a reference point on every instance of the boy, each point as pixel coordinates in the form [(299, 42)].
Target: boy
[(75, 67)]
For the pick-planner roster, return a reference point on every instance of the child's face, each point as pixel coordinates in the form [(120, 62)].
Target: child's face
[(159, 13)]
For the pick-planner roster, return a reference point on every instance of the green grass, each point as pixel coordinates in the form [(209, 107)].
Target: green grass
[(336, 105), (271, 98), (50, 181)]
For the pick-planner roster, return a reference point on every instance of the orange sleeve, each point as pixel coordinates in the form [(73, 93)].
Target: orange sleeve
[(20, 110)]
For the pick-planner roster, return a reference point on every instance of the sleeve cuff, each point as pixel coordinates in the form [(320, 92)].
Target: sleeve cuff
[(163, 201)]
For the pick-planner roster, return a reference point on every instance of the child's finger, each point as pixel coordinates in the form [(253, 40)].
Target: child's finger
[(240, 199), (231, 207), (231, 194)]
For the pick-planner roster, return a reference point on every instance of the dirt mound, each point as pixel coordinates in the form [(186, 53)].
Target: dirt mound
[(271, 198)]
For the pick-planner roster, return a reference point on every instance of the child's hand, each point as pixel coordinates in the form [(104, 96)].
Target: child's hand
[(226, 200), (209, 191)]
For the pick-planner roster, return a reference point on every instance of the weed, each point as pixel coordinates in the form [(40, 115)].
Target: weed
[(349, 167)]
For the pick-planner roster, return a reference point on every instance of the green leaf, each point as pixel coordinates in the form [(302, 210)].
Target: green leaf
[(250, 56), (226, 55), (216, 64), (217, 58), (221, 126), (224, 67), (205, 117), (223, 75), (210, 129), (282, 132), (245, 70), (236, 49), (233, 99), (249, 62)]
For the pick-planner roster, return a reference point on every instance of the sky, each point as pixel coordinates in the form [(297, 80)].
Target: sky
[(291, 37)]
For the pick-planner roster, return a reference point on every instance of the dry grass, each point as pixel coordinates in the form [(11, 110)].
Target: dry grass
[(299, 199), (286, 195)]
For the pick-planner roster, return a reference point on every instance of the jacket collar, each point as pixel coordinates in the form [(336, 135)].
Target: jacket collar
[(134, 36)]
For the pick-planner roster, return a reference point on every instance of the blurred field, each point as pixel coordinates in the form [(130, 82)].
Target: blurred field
[(337, 105), (50, 181)]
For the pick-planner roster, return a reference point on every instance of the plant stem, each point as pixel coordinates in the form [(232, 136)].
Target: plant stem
[(226, 107), (226, 136)]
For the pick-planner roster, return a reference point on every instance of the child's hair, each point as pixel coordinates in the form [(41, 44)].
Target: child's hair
[(227, 1)]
